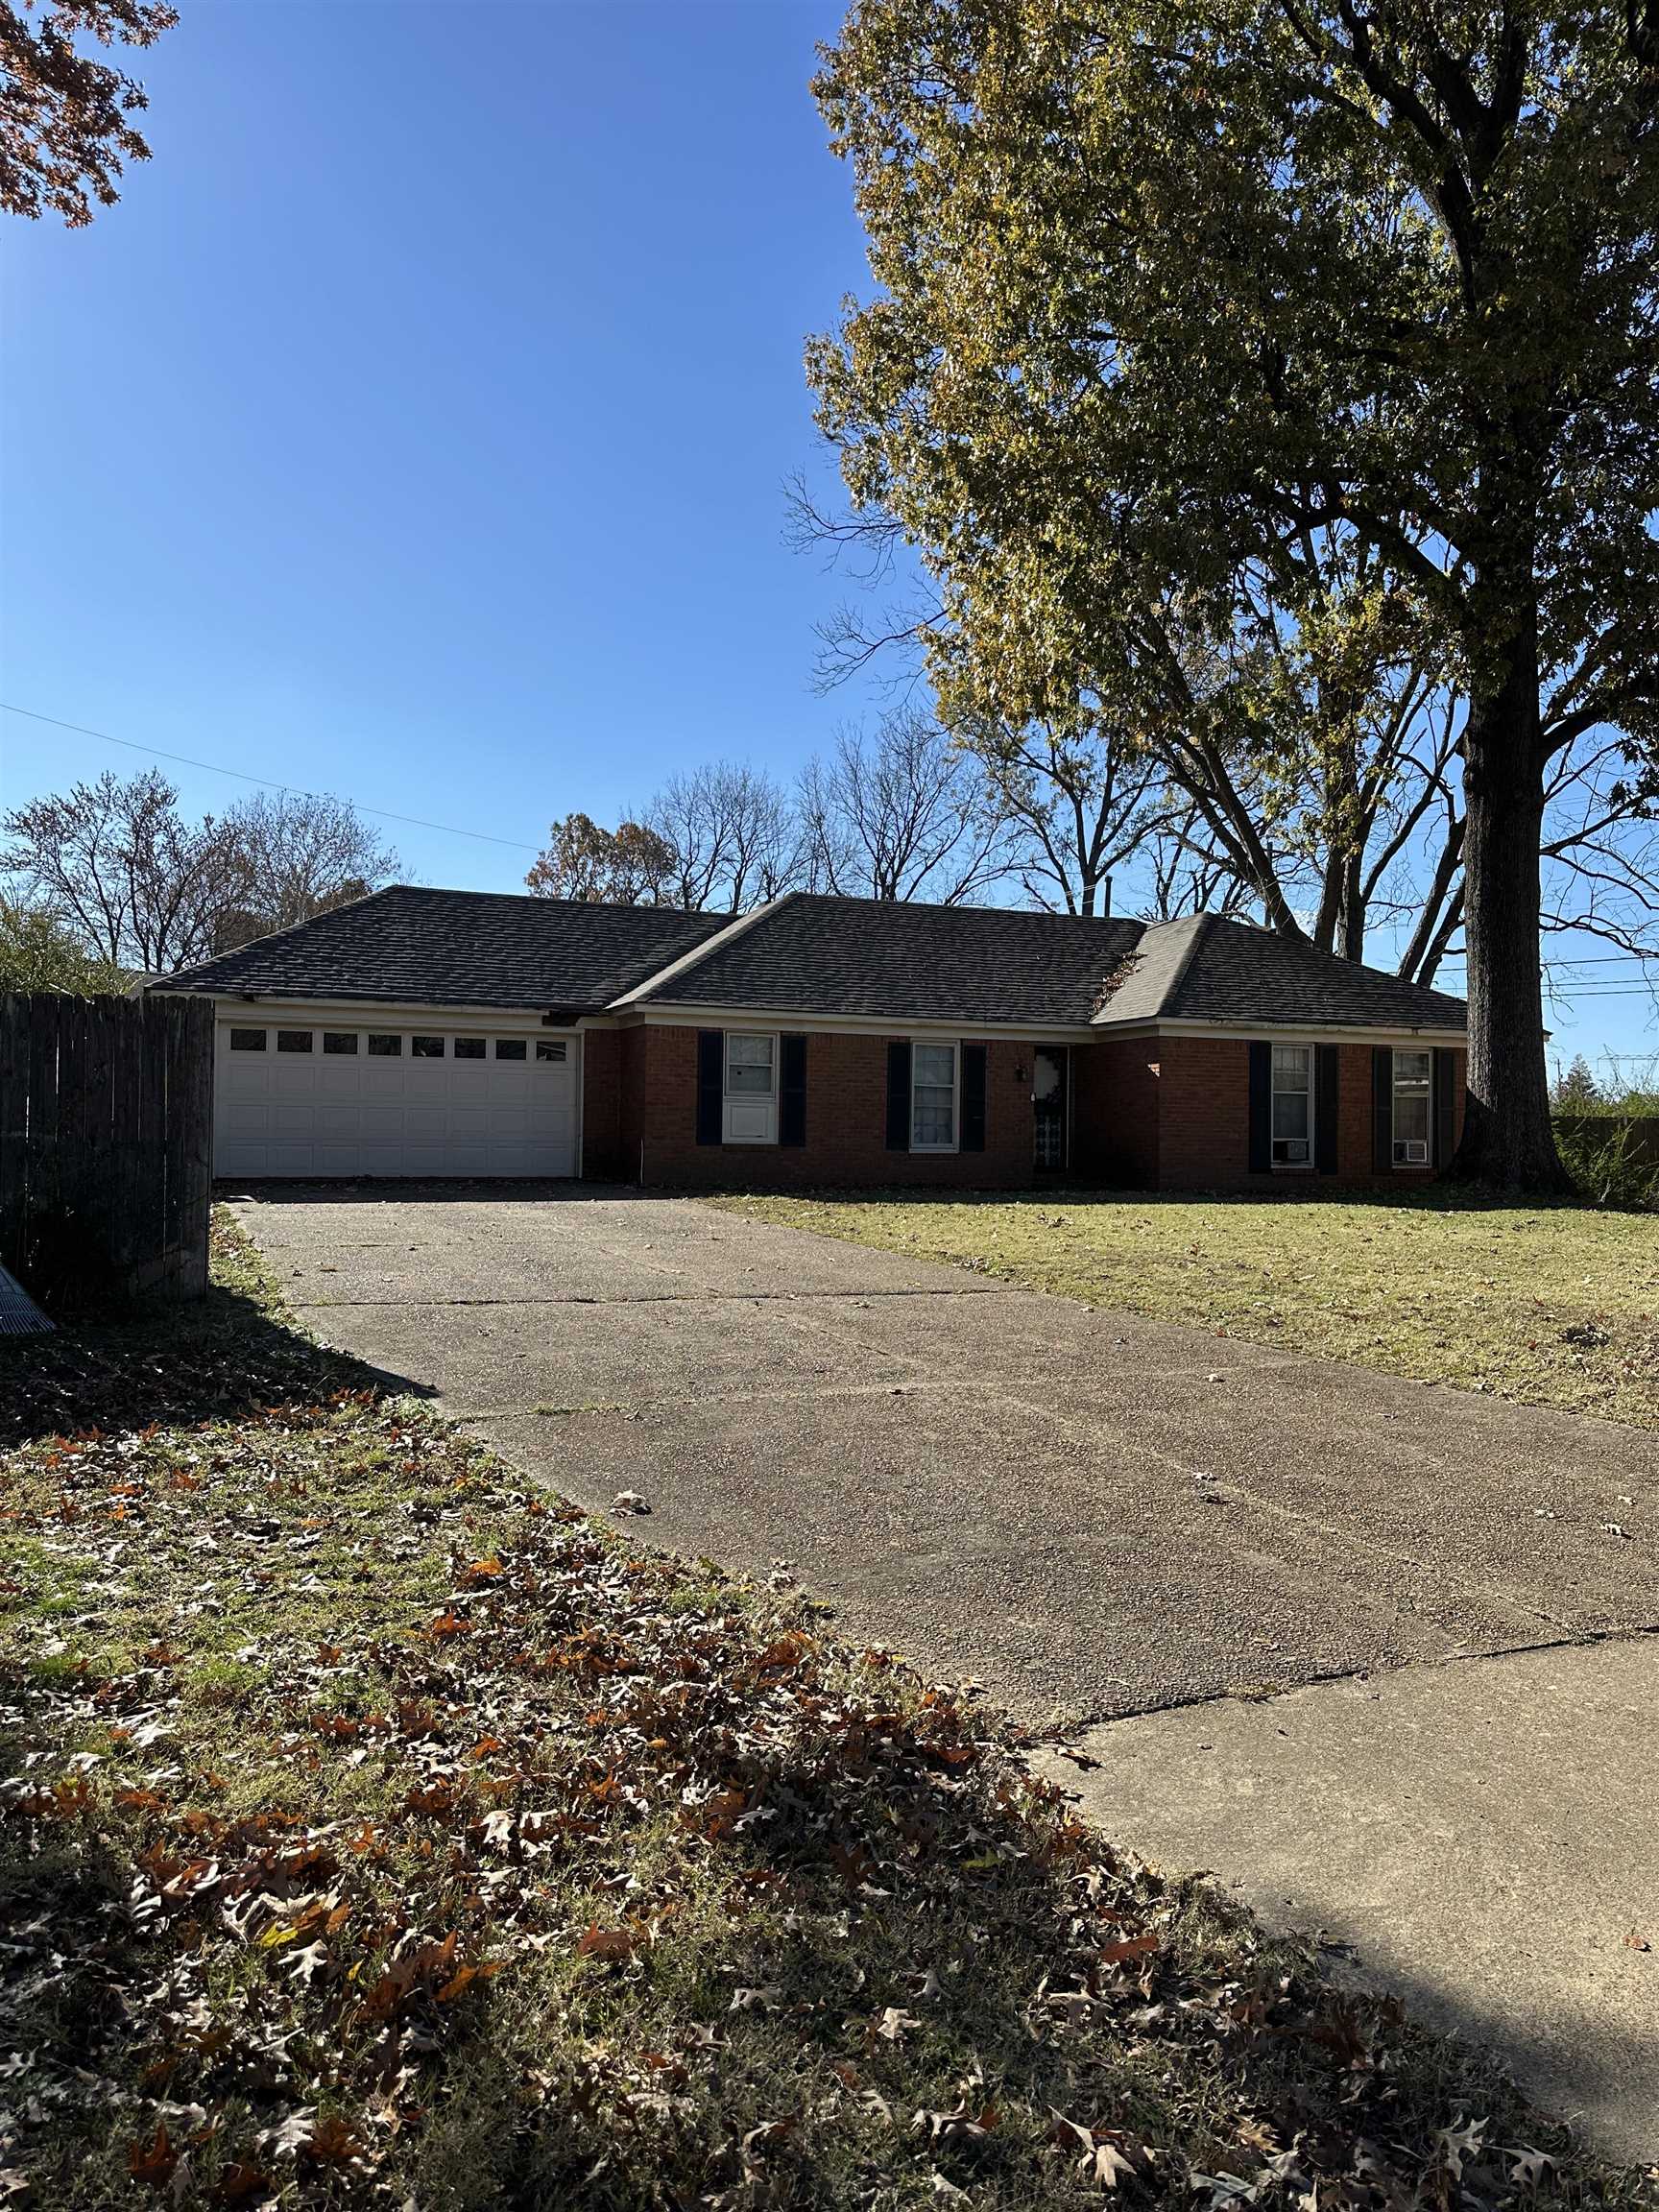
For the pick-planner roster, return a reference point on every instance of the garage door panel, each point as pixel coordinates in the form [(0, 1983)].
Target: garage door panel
[(332, 1159), (471, 1121), (356, 1113), (287, 1158)]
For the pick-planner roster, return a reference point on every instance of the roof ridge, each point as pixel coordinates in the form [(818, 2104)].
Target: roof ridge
[(1201, 925), (717, 941), (270, 936), (539, 899)]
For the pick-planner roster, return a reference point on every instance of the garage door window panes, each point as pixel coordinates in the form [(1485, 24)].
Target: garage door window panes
[(426, 1047), (510, 1049), (546, 1049), (294, 1040), (338, 1040), (247, 1039), (469, 1048), (384, 1048)]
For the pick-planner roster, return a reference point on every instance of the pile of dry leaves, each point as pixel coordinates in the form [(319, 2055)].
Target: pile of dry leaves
[(376, 1832)]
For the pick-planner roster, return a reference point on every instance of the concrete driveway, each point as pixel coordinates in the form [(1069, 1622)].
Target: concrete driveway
[(1204, 1558)]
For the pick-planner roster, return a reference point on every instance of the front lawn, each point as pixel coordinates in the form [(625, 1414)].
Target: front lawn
[(374, 1832), (1551, 1305)]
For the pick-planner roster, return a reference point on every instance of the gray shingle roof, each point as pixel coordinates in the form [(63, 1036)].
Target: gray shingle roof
[(433, 947), (807, 955), (1152, 970), (1211, 968)]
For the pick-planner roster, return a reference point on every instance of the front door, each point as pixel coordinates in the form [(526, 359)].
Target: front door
[(1048, 1103)]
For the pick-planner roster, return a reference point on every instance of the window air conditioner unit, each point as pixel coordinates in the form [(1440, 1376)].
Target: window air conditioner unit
[(1290, 1151), (1410, 1152)]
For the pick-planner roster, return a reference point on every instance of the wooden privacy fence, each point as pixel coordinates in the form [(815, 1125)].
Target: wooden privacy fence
[(1641, 1133), (106, 1144)]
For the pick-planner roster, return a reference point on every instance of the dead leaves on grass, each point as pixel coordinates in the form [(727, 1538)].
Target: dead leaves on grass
[(469, 1745)]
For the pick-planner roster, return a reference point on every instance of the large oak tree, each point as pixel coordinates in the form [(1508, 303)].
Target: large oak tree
[(1169, 286)]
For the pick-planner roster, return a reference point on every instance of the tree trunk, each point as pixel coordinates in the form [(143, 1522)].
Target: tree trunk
[(1507, 1142), (1351, 916)]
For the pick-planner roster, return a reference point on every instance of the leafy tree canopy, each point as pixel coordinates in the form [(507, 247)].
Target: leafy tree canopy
[(1176, 296), (66, 128), (39, 953)]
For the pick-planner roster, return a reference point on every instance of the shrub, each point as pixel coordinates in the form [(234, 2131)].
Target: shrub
[(1609, 1162)]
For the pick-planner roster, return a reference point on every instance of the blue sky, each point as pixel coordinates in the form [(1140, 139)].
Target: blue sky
[(416, 426)]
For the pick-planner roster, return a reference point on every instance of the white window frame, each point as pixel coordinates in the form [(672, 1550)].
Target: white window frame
[(1410, 1167), (1293, 1166), (954, 1046), (769, 1098)]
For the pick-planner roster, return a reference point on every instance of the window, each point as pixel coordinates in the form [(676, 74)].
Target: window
[(1292, 1106), (247, 1039), (1412, 1072), (469, 1048), (340, 1040), (749, 1065), (426, 1047), (933, 1098), (384, 1048), (546, 1049), (294, 1040), (509, 1048)]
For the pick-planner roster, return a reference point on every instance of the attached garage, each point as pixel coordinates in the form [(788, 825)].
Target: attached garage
[(395, 1094)]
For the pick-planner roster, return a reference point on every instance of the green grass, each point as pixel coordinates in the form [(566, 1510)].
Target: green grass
[(1550, 1306), (373, 1832)]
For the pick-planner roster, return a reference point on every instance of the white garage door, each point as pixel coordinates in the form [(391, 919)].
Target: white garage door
[(402, 1099)]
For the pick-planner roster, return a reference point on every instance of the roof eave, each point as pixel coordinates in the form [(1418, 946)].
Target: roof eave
[(1247, 1025)]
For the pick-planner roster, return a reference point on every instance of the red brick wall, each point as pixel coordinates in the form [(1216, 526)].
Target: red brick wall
[(1169, 1113), (846, 1122), (1115, 1093), (602, 1105), (1204, 1119), (631, 1117)]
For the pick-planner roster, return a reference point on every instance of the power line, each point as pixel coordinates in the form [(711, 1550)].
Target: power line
[(1584, 960), (212, 768)]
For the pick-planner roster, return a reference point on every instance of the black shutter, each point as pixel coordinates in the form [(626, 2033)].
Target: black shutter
[(972, 1098), (1327, 1079), (1383, 1109), (711, 1084), (1261, 1109), (1445, 1105), (897, 1096), (792, 1091)]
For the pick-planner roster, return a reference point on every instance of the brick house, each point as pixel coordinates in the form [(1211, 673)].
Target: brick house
[(820, 1041)]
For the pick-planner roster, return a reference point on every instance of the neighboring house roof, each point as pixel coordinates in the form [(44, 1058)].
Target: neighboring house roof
[(1208, 968), (805, 954), (412, 945)]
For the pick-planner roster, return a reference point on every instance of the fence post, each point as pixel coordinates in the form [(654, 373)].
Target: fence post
[(14, 1125)]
